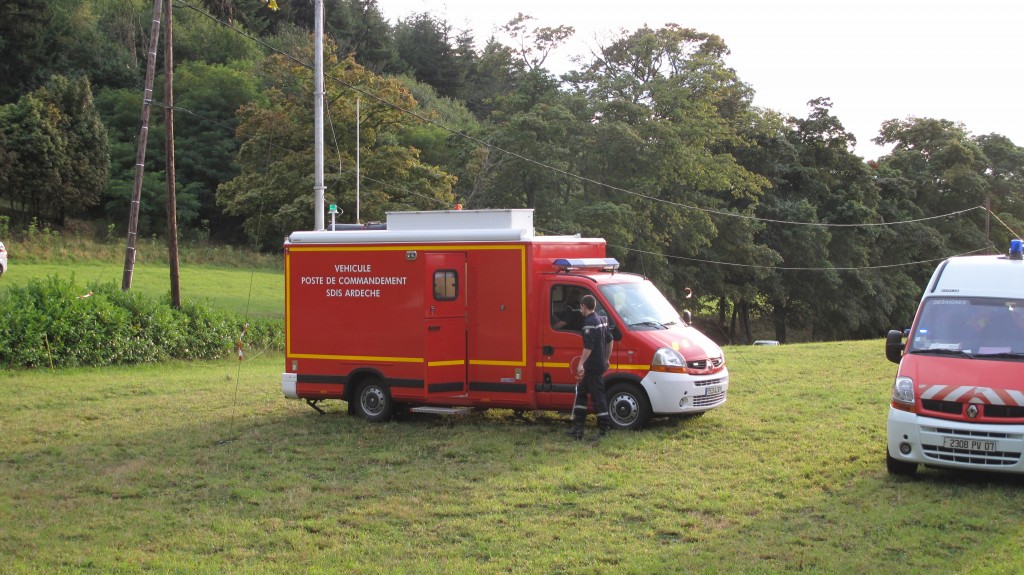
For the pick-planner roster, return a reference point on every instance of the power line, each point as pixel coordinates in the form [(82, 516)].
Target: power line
[(767, 267), (271, 144), (558, 170)]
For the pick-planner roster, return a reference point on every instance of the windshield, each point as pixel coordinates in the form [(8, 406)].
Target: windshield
[(641, 306), (970, 327)]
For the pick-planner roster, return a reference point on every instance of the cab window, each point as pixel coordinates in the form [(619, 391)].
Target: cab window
[(565, 308)]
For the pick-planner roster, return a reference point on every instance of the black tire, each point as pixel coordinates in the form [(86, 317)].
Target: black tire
[(897, 467), (628, 407), (373, 401)]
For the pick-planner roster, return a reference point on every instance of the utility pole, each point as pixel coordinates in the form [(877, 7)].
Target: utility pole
[(172, 201), (988, 216), (318, 117), (140, 149)]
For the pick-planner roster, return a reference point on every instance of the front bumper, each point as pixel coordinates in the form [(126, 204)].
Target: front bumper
[(679, 394), (955, 444)]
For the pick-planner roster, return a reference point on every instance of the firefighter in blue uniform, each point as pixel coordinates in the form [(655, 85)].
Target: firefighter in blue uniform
[(597, 350)]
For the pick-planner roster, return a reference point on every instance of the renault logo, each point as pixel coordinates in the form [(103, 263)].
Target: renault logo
[(972, 411)]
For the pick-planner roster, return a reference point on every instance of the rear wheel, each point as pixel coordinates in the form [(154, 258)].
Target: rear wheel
[(628, 406), (897, 467), (373, 401)]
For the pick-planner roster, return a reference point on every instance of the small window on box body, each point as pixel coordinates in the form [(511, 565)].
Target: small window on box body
[(446, 285)]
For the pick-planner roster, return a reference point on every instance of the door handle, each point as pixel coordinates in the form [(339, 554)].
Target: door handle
[(548, 350), (434, 328)]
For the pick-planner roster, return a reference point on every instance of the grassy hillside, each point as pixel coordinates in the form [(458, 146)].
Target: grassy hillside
[(247, 291), (206, 468)]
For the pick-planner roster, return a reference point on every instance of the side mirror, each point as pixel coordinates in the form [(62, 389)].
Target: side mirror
[(687, 317), (616, 334), (894, 345)]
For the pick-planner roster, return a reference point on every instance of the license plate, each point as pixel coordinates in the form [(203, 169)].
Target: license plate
[(714, 389), (969, 444)]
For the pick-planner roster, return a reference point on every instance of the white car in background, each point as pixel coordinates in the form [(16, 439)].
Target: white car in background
[(3, 259)]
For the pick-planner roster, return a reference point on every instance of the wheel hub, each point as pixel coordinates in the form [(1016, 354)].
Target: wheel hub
[(625, 408)]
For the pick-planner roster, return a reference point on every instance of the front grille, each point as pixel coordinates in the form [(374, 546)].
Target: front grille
[(710, 363), (993, 458), (956, 408), (709, 382), (953, 407), (709, 400), (971, 456), (1007, 411)]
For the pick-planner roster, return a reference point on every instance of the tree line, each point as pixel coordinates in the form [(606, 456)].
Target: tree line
[(652, 142)]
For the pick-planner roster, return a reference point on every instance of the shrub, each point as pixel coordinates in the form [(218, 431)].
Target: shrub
[(54, 322)]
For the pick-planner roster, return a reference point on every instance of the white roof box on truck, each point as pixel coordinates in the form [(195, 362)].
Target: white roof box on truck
[(446, 225)]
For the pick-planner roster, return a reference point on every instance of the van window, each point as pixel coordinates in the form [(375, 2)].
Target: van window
[(446, 285), (565, 307), (974, 326)]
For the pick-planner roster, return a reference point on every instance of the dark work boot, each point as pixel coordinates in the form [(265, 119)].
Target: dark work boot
[(576, 431)]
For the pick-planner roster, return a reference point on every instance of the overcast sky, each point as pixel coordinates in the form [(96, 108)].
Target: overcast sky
[(875, 59)]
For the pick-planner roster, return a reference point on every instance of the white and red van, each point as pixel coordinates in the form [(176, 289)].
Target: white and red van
[(452, 310), (958, 398)]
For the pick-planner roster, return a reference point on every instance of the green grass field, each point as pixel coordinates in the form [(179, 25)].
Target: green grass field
[(252, 291), (206, 468)]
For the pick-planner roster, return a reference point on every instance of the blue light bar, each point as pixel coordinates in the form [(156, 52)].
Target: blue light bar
[(604, 264), (1016, 250)]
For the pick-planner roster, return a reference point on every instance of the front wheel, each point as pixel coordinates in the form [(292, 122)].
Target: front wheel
[(628, 407), (897, 467), (373, 401)]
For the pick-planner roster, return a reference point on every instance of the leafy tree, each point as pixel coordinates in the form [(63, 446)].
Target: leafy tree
[(41, 38), (197, 39), (819, 182), (23, 50), (206, 146), (426, 46), (534, 45), (272, 192), (34, 146), (85, 159), (1005, 175), (945, 171), (359, 28), (667, 116), (57, 157), (152, 203)]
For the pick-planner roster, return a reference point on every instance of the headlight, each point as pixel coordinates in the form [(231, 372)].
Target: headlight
[(668, 360), (903, 394)]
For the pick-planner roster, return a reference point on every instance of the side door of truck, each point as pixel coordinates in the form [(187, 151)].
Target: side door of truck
[(561, 344), (445, 354)]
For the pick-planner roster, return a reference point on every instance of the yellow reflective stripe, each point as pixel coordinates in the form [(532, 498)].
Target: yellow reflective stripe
[(358, 358), (445, 363)]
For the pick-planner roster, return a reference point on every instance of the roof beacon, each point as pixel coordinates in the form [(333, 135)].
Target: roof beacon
[(1016, 250), (602, 264)]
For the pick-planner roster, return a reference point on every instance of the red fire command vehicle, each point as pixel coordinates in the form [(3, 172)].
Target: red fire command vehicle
[(958, 398), (452, 310)]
